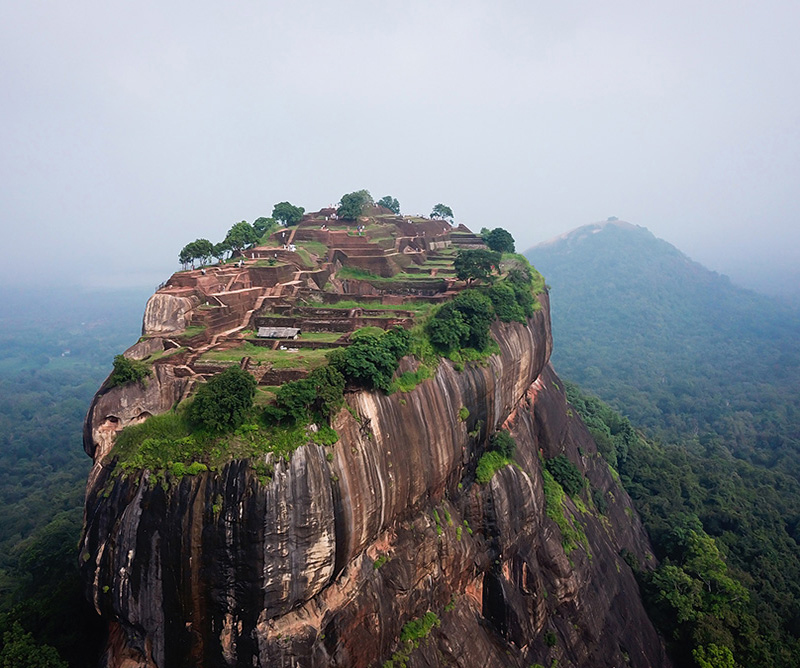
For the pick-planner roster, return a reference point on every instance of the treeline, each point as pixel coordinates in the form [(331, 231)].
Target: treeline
[(726, 535), (56, 348)]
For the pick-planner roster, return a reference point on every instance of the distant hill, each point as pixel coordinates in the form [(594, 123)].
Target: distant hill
[(678, 348)]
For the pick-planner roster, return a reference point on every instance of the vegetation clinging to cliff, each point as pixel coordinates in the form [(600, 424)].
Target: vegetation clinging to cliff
[(719, 527)]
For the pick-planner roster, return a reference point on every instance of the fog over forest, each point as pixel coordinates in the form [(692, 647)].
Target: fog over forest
[(129, 130)]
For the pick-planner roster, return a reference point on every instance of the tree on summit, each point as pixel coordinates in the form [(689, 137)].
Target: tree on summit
[(499, 240), (390, 203), (200, 249), (287, 213), (241, 235), (352, 204), (442, 211), (474, 265)]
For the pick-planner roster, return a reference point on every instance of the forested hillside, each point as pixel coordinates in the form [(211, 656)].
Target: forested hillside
[(711, 373), (674, 346), (55, 347)]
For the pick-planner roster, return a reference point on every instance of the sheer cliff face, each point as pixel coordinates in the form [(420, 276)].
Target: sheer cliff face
[(325, 563)]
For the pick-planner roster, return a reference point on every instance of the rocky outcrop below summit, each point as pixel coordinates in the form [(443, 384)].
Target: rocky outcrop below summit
[(324, 563)]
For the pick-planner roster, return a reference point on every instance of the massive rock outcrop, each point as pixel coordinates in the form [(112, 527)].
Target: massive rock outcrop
[(324, 563)]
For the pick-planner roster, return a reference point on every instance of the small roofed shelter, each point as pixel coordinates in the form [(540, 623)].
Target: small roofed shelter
[(278, 332)]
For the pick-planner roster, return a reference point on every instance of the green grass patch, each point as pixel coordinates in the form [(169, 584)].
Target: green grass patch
[(410, 379), (302, 358), (168, 443), (191, 332), (315, 247), (572, 533), (489, 464)]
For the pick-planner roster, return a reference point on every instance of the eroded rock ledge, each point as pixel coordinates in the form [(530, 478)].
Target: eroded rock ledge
[(324, 564)]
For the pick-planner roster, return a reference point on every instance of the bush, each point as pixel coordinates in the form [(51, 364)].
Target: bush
[(462, 323), (504, 301), (566, 474), (371, 360), (502, 442), (499, 240), (223, 402), (127, 371)]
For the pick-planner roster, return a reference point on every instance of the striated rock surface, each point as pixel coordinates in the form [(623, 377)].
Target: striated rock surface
[(326, 562)]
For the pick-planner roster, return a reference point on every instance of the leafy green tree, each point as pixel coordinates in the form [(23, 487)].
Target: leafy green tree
[(264, 225), (296, 398), (204, 250), (474, 265), (287, 213), (448, 329), (127, 371), (713, 657), (223, 402), (390, 203), (502, 442), (352, 204), (220, 250), (241, 235), (499, 240), (20, 650), (442, 211), (566, 474), (462, 323), (371, 359), (504, 301)]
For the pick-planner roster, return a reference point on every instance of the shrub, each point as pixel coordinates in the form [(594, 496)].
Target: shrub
[(223, 402), (504, 301), (462, 323), (371, 360), (502, 442), (417, 629), (566, 474), (499, 240), (127, 371), (463, 413)]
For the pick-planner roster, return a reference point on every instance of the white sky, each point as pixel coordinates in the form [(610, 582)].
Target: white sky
[(128, 129)]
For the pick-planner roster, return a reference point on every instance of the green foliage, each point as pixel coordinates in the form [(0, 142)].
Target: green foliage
[(322, 393), (408, 380), (572, 534), (489, 464), (476, 264), (550, 639), (462, 323), (713, 657), (352, 204), (127, 371), (200, 249), (499, 240), (419, 629), (501, 441), (220, 250), (442, 211), (371, 360), (222, 403), (612, 432), (21, 650), (287, 213), (264, 225), (390, 203), (505, 304), (566, 474), (241, 235), (722, 529), (380, 561), (463, 413)]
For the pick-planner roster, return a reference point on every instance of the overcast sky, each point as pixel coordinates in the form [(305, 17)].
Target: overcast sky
[(128, 129)]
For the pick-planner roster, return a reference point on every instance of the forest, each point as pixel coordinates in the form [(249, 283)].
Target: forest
[(56, 348), (704, 380)]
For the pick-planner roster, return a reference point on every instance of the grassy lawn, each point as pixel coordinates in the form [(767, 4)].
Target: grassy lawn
[(316, 247), (278, 359), (325, 337)]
